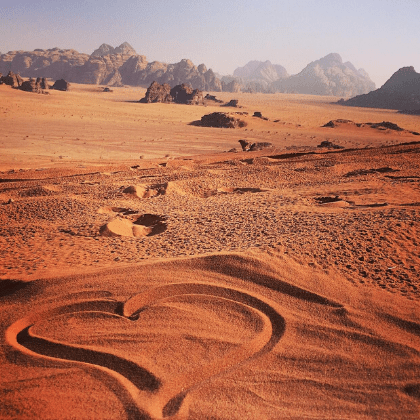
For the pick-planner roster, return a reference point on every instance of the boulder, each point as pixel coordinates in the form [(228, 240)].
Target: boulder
[(157, 93), (213, 98), (233, 103), (61, 84), (252, 147)]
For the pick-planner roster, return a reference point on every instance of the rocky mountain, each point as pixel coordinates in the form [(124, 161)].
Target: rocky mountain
[(256, 76), (401, 91), (327, 76), (125, 48), (109, 66), (259, 70)]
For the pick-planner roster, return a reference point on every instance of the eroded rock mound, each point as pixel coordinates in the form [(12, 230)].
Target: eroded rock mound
[(252, 147), (233, 103), (338, 123), (329, 145), (61, 84), (220, 120), (157, 93), (183, 94), (384, 125), (36, 86), (180, 94), (12, 79), (213, 98)]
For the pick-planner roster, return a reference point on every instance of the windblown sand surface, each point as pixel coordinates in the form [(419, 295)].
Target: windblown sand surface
[(197, 283)]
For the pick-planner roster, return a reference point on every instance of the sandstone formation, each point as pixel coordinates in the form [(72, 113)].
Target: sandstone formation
[(108, 66), (12, 79), (401, 91), (252, 147), (213, 98), (54, 63), (37, 86), (327, 76), (183, 94), (61, 84), (382, 126), (233, 103), (157, 93), (180, 94), (220, 120)]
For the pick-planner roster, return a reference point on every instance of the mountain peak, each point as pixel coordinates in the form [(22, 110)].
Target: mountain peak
[(106, 49), (330, 60), (125, 48), (403, 78)]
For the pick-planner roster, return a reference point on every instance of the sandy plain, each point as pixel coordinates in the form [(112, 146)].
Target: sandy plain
[(147, 271)]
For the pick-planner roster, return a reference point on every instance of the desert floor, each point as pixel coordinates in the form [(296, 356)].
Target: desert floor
[(150, 270)]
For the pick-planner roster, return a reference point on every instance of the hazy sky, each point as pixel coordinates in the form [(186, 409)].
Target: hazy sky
[(378, 35)]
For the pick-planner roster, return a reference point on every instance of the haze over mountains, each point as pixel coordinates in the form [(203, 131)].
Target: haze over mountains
[(123, 66)]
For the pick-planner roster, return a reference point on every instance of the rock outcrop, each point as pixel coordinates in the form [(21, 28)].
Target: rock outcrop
[(109, 66), (220, 120), (157, 93), (401, 91), (36, 86), (12, 79), (183, 94), (180, 94), (252, 147), (61, 84), (327, 76)]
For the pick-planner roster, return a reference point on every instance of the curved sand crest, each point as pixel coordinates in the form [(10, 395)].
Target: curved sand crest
[(338, 348), (138, 226), (110, 209), (149, 395), (142, 191)]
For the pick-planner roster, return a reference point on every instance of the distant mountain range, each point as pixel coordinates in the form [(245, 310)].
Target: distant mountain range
[(107, 66), (123, 66), (326, 76), (401, 91)]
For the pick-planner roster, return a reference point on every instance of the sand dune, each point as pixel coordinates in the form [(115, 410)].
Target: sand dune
[(199, 282)]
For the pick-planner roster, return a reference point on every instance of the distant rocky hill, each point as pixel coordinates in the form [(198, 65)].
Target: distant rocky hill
[(108, 66), (327, 76), (401, 91), (261, 71), (255, 76)]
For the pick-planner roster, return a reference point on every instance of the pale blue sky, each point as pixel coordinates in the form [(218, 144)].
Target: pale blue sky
[(378, 35)]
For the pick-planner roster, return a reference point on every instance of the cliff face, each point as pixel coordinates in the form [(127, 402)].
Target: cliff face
[(327, 76), (107, 65), (401, 91)]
